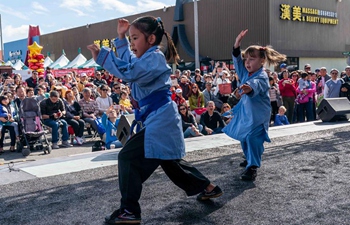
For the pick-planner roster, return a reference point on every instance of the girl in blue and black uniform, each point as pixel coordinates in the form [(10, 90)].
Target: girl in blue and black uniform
[(251, 116), (144, 66)]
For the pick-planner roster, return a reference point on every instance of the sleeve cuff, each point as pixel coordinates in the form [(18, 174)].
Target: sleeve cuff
[(236, 52), (102, 56)]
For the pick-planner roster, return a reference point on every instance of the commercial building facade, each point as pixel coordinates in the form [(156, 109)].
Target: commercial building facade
[(313, 31)]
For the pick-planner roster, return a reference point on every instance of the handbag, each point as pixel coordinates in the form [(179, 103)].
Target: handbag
[(100, 128), (225, 89)]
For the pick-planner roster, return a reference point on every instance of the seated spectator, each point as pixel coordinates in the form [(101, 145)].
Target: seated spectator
[(73, 116), (68, 80), (6, 121), (209, 95), (185, 85), (104, 101), (30, 92), (83, 81), (196, 98), (52, 110), (17, 79), (189, 124), (211, 120), (196, 101), (21, 94), (76, 94), (33, 80), (226, 108), (107, 77), (98, 79), (89, 108), (125, 101), (41, 93), (116, 93), (110, 121), (280, 118), (199, 81), (179, 99)]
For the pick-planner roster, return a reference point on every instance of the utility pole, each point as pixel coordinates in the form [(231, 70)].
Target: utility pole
[(196, 41), (2, 44)]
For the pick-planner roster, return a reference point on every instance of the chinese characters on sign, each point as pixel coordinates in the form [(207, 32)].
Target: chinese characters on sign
[(106, 43), (297, 13)]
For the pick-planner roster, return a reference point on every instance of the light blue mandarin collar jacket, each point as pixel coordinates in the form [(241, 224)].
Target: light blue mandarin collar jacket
[(147, 74)]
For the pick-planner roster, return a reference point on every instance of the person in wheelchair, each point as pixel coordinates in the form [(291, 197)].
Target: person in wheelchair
[(52, 110)]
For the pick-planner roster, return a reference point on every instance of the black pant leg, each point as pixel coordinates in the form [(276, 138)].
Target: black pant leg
[(74, 124), (134, 169), (185, 176), (81, 128), (2, 137)]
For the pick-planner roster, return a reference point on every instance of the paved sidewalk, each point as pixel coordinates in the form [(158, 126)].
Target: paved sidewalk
[(91, 160)]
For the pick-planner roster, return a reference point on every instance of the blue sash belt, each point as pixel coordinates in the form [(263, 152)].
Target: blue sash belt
[(147, 105)]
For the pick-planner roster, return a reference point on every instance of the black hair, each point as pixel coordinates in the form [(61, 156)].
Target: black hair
[(3, 97), (149, 25), (54, 94)]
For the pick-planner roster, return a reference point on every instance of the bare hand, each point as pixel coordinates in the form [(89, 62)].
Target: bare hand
[(344, 89), (209, 131), (76, 117), (239, 38), (94, 49), (245, 89), (123, 27)]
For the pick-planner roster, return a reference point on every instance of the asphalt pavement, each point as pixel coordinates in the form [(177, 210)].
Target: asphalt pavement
[(303, 179)]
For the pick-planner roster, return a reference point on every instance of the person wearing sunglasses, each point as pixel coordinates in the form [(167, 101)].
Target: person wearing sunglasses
[(332, 87), (104, 101), (189, 124)]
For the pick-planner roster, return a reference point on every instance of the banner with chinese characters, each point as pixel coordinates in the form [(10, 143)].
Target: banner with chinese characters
[(310, 15), (60, 73)]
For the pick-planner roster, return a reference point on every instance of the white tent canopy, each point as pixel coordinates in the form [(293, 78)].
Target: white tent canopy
[(19, 65), (9, 63), (79, 60), (60, 62), (48, 61)]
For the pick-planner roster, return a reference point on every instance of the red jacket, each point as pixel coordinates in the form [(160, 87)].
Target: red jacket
[(287, 90)]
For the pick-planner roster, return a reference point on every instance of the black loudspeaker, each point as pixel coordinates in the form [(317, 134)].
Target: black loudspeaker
[(334, 109), (124, 126)]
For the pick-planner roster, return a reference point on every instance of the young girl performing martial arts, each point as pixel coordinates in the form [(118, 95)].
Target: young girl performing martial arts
[(251, 116), (145, 68)]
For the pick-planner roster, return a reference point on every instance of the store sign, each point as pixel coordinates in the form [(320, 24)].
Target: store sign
[(105, 42), (310, 15), (14, 56)]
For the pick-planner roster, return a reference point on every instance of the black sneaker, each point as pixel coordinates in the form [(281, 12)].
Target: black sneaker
[(216, 192), (123, 217), (244, 163), (249, 174)]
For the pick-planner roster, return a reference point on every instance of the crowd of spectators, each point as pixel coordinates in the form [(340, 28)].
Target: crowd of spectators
[(78, 100)]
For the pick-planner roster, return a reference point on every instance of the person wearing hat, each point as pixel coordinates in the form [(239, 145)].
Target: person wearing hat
[(332, 86), (307, 68), (83, 81), (283, 68), (179, 99)]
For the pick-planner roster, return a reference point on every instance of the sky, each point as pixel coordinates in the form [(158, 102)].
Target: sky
[(57, 15)]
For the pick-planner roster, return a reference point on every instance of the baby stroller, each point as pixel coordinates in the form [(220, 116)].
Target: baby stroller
[(31, 129)]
